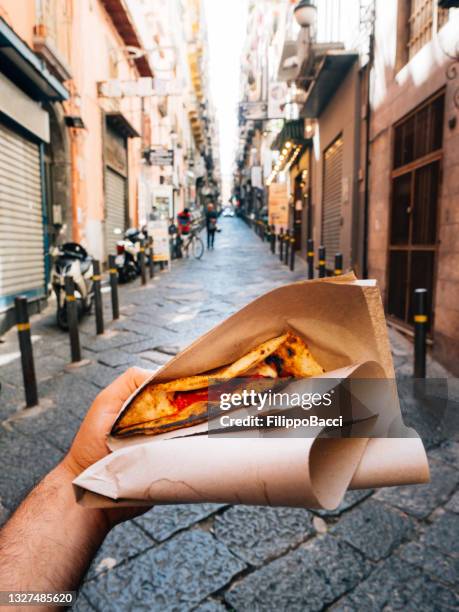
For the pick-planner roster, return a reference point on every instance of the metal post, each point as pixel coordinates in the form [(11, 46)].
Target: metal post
[(273, 239), (143, 271), (151, 255), (98, 298), (292, 254), (281, 244), (322, 271), (310, 254), (338, 264), (114, 286), (72, 319), (25, 345), (287, 247), (420, 332)]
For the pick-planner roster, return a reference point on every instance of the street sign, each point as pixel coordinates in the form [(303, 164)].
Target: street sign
[(159, 156), (253, 110)]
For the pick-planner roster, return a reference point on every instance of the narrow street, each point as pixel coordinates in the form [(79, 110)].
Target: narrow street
[(378, 548)]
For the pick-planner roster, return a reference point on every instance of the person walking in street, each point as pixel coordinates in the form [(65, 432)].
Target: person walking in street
[(211, 225)]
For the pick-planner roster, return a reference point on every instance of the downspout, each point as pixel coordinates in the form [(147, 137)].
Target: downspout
[(366, 206)]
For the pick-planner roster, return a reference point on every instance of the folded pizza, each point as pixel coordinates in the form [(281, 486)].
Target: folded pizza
[(167, 406)]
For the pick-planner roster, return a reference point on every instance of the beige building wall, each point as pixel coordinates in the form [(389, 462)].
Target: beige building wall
[(339, 117), (394, 94), (100, 58)]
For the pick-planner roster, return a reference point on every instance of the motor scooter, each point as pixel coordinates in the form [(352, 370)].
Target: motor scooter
[(71, 259), (127, 260)]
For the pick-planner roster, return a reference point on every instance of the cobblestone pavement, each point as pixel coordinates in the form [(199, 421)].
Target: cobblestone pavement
[(391, 549)]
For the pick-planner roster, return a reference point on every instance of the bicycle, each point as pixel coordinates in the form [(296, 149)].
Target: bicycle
[(193, 241)]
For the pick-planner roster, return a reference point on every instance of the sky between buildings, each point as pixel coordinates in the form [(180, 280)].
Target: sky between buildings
[(226, 24)]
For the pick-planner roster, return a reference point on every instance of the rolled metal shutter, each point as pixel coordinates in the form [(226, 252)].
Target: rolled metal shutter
[(332, 197), (22, 264), (115, 208)]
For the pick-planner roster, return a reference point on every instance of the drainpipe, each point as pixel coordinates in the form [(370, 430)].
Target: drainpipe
[(366, 206)]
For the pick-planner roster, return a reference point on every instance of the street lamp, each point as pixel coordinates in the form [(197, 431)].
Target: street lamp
[(305, 13)]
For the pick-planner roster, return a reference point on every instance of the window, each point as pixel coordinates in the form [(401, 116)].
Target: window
[(414, 208), (424, 18)]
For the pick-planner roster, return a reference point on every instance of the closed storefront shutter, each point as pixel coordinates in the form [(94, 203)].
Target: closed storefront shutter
[(22, 268), (115, 208), (332, 196)]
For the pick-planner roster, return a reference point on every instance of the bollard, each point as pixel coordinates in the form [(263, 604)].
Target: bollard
[(152, 259), (143, 270), (287, 247), (322, 271), (310, 256), (273, 239), (25, 345), (72, 319), (338, 264), (98, 298), (420, 332), (292, 254), (114, 286), (281, 243)]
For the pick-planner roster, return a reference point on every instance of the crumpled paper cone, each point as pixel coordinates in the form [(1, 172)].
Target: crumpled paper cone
[(343, 322)]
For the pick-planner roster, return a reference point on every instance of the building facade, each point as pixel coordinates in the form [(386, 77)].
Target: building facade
[(414, 205), (362, 157), (88, 89)]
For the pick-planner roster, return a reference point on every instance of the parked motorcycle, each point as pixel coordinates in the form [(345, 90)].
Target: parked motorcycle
[(127, 260), (71, 259)]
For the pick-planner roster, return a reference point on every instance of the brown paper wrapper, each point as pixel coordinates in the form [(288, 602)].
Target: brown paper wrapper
[(343, 322)]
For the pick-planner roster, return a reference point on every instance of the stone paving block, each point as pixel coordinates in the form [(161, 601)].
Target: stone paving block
[(73, 393), (155, 357), (421, 500), (177, 575), (55, 425), (432, 561), (115, 358), (211, 605), (82, 604), (453, 504), (258, 534), (124, 541), (4, 514), (12, 396), (163, 521), (350, 499), (24, 460), (308, 578), (397, 585), (374, 528), (104, 343), (443, 534), (448, 453), (98, 374)]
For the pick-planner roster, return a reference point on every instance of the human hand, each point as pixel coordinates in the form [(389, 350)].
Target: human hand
[(90, 443)]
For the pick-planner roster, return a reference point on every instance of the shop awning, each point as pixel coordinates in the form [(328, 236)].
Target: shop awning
[(23, 67), (121, 124), (332, 72), (292, 131)]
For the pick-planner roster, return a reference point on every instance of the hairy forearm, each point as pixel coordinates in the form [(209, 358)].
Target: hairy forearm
[(50, 540)]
